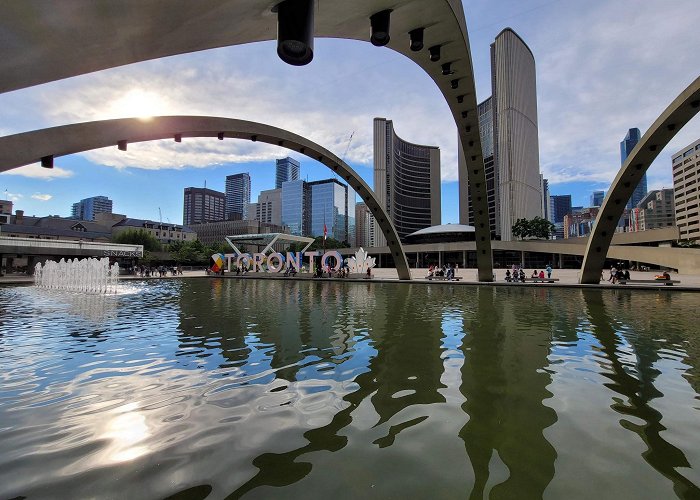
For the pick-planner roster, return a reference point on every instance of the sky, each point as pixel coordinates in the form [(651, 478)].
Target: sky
[(602, 67)]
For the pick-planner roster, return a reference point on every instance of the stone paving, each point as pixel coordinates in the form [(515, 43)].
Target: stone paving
[(567, 277)]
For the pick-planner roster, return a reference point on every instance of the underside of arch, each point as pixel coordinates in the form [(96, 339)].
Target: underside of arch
[(674, 117), (30, 147)]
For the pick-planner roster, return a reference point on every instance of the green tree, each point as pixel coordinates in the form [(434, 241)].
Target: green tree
[(521, 228), (138, 237), (541, 228), (536, 228)]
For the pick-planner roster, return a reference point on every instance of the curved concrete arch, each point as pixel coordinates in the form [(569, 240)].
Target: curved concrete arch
[(666, 126), (29, 147), (79, 38)]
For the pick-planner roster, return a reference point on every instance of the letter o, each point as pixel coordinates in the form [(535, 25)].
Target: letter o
[(280, 262), (332, 253)]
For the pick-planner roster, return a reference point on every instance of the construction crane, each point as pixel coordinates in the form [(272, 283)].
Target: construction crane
[(348, 146)]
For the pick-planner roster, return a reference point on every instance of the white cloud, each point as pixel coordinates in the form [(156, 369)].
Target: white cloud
[(36, 171), (14, 197), (42, 197)]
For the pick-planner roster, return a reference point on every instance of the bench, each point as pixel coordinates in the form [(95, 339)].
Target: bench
[(535, 280), (655, 282), (443, 278)]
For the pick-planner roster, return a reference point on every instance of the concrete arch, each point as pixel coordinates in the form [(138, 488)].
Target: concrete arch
[(29, 147), (666, 126), (79, 38)]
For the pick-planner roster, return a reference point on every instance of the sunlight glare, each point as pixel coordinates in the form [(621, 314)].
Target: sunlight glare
[(139, 103)]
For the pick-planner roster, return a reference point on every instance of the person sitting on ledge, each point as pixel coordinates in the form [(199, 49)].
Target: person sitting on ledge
[(541, 275), (508, 275), (534, 274)]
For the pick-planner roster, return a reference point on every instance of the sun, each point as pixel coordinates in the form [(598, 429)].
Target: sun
[(139, 103)]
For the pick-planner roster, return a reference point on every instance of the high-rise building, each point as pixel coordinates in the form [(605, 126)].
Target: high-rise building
[(510, 143), (686, 185), (203, 205), (87, 208), (308, 207), (329, 210), (466, 213), (364, 226), (406, 181), (296, 204), (656, 210), (544, 186), (626, 146), (287, 169), (269, 207), (237, 195), (597, 198), (560, 205)]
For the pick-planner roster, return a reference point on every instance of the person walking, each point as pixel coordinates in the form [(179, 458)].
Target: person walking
[(549, 271)]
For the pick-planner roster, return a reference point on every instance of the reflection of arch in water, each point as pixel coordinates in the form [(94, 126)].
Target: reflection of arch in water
[(504, 383), (88, 42), (660, 454), (666, 126), (29, 147)]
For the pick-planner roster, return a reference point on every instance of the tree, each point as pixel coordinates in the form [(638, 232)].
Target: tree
[(521, 229), (541, 228), (138, 237), (536, 228)]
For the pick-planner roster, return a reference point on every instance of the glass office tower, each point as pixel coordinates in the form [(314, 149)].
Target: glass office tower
[(287, 169), (626, 146)]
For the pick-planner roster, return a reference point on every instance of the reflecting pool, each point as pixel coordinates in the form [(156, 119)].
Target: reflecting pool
[(224, 388)]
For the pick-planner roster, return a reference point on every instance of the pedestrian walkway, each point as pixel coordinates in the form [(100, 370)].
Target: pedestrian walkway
[(566, 277)]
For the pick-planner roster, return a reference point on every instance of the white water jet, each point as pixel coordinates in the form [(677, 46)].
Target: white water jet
[(86, 275)]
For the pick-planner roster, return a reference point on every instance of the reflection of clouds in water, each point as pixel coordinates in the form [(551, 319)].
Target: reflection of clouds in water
[(126, 428)]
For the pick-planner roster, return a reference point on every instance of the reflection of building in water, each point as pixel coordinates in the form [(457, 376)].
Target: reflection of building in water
[(404, 372), (639, 391), (506, 346)]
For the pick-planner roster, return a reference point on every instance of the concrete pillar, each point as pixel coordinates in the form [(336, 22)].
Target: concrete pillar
[(522, 259), (2, 265)]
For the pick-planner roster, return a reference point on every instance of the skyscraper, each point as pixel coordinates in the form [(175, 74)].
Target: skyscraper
[(318, 208), (287, 169), (269, 207), (560, 205), (237, 195), (509, 136), (406, 181), (364, 226), (686, 176), (466, 213), (329, 210), (87, 208), (296, 204), (626, 146), (203, 205), (597, 198)]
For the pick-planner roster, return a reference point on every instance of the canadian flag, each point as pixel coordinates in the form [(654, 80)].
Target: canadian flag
[(325, 231)]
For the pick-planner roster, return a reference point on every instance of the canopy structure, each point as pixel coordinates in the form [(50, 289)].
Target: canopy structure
[(266, 240)]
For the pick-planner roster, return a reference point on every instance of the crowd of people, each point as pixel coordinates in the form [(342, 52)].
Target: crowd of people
[(517, 274), (157, 271), (447, 271)]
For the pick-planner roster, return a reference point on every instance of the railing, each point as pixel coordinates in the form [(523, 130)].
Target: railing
[(103, 249)]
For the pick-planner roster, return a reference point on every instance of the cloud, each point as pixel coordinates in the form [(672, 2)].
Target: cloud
[(36, 171), (14, 197), (42, 197)]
